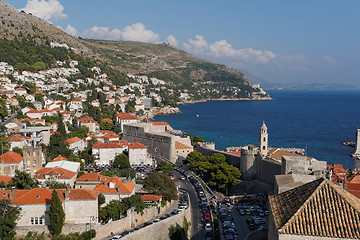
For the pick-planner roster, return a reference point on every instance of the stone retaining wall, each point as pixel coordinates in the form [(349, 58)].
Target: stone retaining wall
[(132, 220)]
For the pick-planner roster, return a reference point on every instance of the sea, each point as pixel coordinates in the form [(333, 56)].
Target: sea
[(317, 121)]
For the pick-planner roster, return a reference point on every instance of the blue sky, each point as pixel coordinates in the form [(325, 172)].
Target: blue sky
[(278, 41)]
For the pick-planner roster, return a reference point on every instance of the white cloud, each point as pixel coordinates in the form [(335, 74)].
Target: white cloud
[(134, 32), (102, 33), (223, 49), (71, 30), (172, 40), (137, 32), (51, 10)]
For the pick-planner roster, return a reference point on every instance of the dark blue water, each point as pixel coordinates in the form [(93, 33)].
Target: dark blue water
[(318, 121)]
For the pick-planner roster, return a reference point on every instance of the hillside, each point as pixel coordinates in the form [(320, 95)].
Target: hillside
[(203, 79)]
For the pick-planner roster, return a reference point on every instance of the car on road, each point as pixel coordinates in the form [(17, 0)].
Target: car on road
[(183, 178), (251, 226), (207, 216), (116, 237), (208, 228)]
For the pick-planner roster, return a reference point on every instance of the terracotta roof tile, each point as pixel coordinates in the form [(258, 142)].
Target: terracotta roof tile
[(125, 186), (11, 157), (150, 197), (179, 145), (58, 171), (59, 158), (93, 177), (72, 140), (125, 116), (5, 179), (276, 153), (318, 208), (136, 145), (107, 145)]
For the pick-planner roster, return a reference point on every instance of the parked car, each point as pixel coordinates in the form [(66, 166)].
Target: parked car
[(116, 237)]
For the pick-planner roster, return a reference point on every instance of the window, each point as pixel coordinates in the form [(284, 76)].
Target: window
[(36, 221), (34, 162), (32, 221), (28, 153), (12, 167), (264, 139), (263, 147), (40, 220)]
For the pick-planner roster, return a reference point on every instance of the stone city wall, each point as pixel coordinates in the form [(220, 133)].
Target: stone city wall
[(160, 230), (132, 220)]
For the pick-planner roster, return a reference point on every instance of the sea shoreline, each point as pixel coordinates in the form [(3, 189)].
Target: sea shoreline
[(225, 99)]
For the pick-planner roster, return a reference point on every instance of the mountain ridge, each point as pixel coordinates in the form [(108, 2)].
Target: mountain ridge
[(161, 61)]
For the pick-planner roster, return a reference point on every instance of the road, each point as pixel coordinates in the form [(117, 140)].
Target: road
[(197, 218)]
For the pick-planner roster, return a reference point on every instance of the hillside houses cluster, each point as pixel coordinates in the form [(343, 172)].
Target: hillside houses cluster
[(36, 102)]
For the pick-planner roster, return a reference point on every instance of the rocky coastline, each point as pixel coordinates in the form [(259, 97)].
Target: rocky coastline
[(226, 99)]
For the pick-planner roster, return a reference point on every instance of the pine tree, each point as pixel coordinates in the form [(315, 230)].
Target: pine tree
[(56, 214)]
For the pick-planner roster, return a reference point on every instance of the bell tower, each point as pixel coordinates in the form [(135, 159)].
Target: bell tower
[(263, 140)]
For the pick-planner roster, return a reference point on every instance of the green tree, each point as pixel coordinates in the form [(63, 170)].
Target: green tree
[(105, 125), (121, 161), (133, 201), (165, 167), (101, 200), (23, 180), (17, 150), (56, 213), (160, 184), (197, 139), (3, 109), (8, 217), (55, 185)]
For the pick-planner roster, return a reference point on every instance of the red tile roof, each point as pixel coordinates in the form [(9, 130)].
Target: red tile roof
[(106, 145), (110, 135), (160, 124), (58, 171), (72, 140), (235, 152), (276, 153), (125, 116), (5, 179), (136, 145), (17, 138), (125, 186), (93, 177), (59, 158), (33, 111), (179, 145), (43, 195), (150, 197), (86, 119), (11, 157)]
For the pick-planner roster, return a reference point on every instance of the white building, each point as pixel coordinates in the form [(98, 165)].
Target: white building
[(138, 155)]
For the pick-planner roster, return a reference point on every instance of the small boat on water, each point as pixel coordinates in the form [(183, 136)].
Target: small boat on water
[(349, 143)]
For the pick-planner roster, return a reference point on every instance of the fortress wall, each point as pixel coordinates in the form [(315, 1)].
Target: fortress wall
[(267, 171), (158, 144)]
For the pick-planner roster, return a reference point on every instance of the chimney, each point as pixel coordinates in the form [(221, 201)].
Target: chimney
[(118, 189), (67, 194), (13, 190)]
